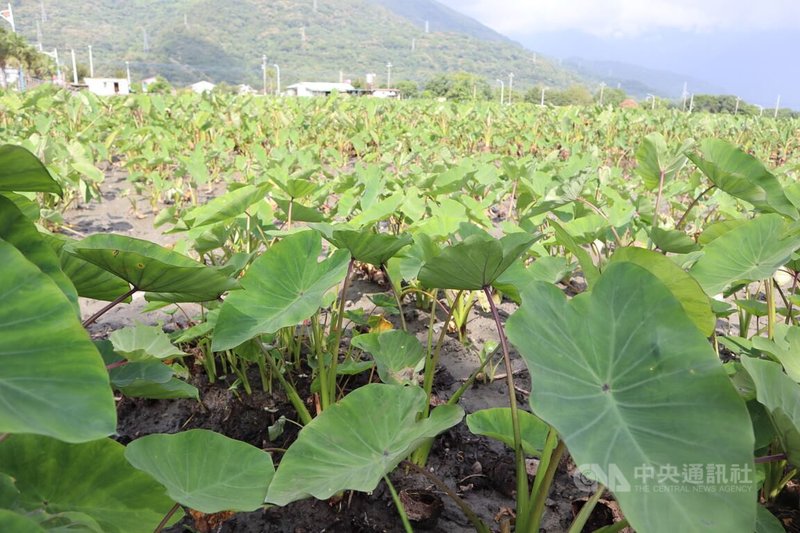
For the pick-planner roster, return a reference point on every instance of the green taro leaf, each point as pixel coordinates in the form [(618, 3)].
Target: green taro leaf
[(53, 381), (673, 241), (781, 396), (152, 268), (22, 171), (170, 390), (368, 247), (19, 231), (474, 263), (90, 280), (300, 213), (496, 423), (227, 206), (283, 287), (743, 176), (766, 522), (142, 343), (785, 347), (751, 251), (205, 471), (695, 302), (630, 384), (654, 159), (355, 442), (398, 355), (93, 479)]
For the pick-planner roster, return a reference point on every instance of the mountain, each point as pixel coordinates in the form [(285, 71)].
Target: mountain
[(640, 81), (311, 40)]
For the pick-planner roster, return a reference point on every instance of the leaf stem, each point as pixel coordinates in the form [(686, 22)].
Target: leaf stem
[(680, 222), (537, 508), (92, 319), (396, 297), (397, 503), (161, 525), (522, 473), (586, 510)]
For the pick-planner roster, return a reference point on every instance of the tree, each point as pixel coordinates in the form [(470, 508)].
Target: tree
[(15, 51), (611, 96), (458, 86), (573, 95), (408, 89)]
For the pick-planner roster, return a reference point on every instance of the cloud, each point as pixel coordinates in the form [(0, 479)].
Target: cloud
[(627, 18)]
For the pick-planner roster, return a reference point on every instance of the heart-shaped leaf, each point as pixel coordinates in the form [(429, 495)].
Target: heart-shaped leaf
[(605, 369), (398, 355), (743, 176), (751, 251), (142, 343), (474, 263), (22, 171), (152, 268), (496, 423), (225, 207), (93, 479), (655, 160), (205, 471), (369, 247), (355, 442), (283, 287), (53, 381)]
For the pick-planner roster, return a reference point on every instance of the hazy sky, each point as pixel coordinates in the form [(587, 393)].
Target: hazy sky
[(749, 47)]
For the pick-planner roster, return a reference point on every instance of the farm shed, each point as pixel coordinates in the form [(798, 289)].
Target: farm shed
[(108, 86), (318, 88)]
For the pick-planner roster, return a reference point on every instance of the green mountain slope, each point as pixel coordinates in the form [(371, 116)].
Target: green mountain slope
[(223, 40)]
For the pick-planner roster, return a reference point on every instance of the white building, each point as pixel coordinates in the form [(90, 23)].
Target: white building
[(148, 81), (202, 87), (386, 93), (108, 86), (318, 88)]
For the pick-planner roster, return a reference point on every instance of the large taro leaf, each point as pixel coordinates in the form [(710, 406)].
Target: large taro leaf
[(52, 381), (474, 263), (590, 272), (92, 478), (654, 160), (633, 388), (283, 287), (368, 247), (743, 176), (90, 280), (205, 471), (398, 354), (17, 230), (355, 442), (496, 423), (751, 251), (781, 396), (695, 302), (152, 268), (21, 171), (227, 206), (784, 347)]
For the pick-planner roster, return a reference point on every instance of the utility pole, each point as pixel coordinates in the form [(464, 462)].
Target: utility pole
[(264, 72), (502, 90), (128, 71), (278, 71), (54, 55), (777, 106), (510, 86), (145, 43), (541, 103), (736, 109), (653, 98), (8, 16), (602, 87), (760, 110), (341, 76), (74, 68), (39, 35), (315, 6), (44, 13), (427, 26), (91, 63), (691, 103), (684, 95), (413, 45), (388, 74), (185, 21)]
